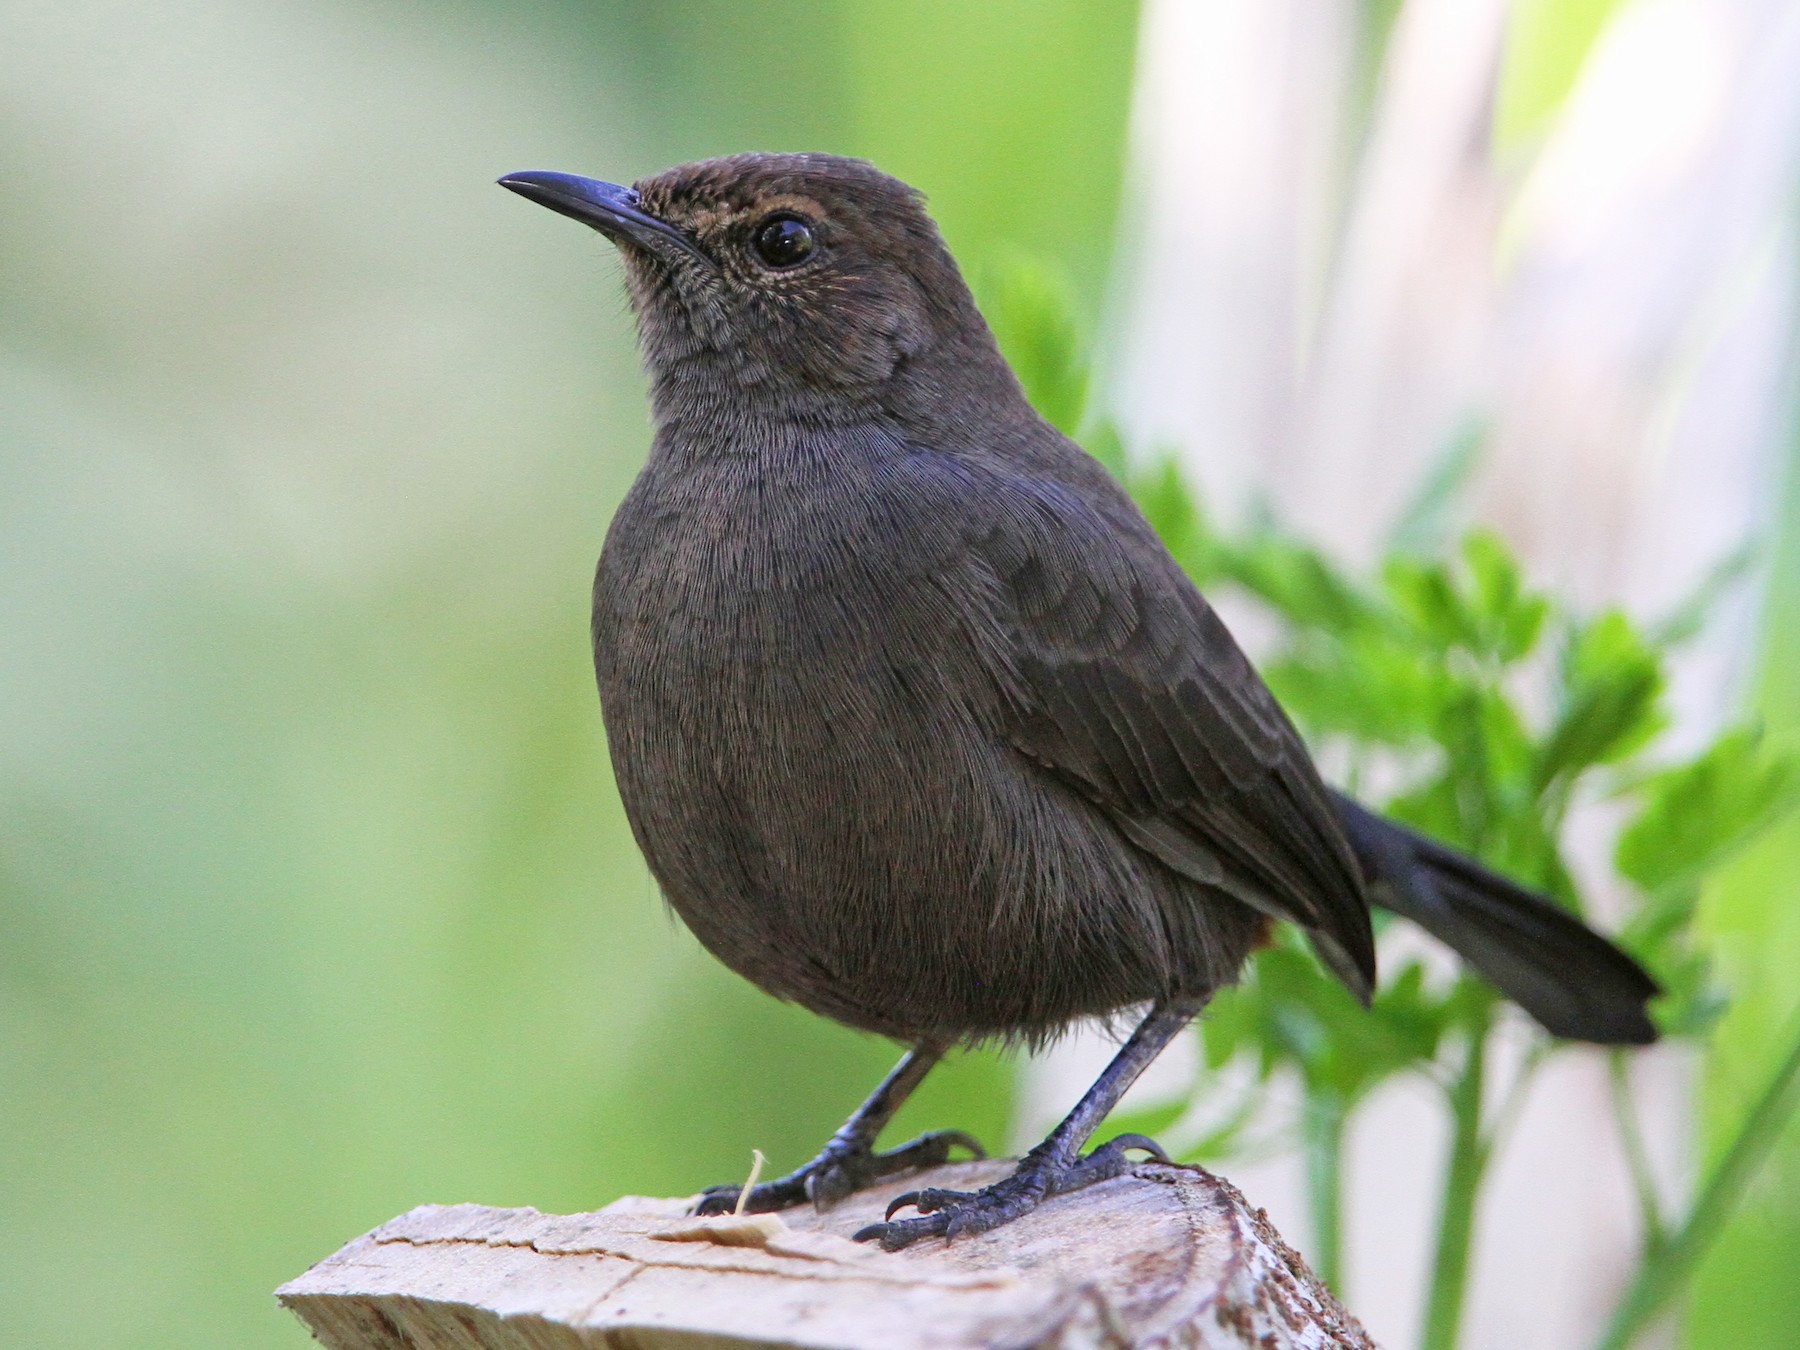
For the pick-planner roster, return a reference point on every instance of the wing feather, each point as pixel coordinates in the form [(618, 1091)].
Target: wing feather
[(1119, 677)]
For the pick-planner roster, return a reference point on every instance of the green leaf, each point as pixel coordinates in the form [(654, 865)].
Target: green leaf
[(1611, 702), (1476, 604), (1698, 814), (1230, 1027), (1288, 1013), (1691, 1001), (1508, 618), (1427, 597), (1298, 582), (1368, 686), (1174, 513), (1031, 308), (1490, 752), (1104, 443)]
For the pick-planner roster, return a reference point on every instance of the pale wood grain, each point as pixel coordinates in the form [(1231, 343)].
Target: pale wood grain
[(1168, 1256)]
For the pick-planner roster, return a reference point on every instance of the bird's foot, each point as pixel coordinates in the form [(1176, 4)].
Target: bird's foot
[(950, 1214), (839, 1170)]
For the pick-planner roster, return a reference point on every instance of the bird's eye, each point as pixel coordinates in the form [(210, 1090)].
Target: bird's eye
[(783, 241)]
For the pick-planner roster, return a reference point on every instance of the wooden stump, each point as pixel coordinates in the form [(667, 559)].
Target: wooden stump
[(1166, 1256)]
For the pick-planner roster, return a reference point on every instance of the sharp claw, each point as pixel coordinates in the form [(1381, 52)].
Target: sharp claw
[(957, 1139), (894, 1236), (901, 1235), (828, 1186), (932, 1199), (928, 1150), (929, 1201), (1138, 1141)]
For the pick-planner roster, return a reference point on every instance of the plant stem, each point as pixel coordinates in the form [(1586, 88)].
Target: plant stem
[(1516, 1092), (1462, 1179), (1667, 1266), (1323, 1132), (1637, 1157)]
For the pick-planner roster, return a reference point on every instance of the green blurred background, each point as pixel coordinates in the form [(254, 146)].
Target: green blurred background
[(316, 901)]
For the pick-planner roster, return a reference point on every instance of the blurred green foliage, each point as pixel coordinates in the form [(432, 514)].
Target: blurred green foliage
[(315, 898), (1745, 1293)]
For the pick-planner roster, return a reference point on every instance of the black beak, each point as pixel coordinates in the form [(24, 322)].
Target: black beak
[(608, 207)]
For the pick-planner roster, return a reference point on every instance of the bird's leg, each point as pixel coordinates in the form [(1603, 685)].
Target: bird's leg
[(849, 1162), (1054, 1166)]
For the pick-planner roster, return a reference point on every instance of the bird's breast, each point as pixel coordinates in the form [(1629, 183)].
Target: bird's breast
[(764, 641), (799, 731)]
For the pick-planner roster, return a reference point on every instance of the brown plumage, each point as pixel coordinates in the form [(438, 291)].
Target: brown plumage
[(916, 721)]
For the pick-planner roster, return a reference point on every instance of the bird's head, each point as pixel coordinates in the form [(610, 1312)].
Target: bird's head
[(811, 279)]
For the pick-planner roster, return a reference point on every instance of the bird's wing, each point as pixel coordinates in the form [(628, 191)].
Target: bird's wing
[(1116, 675)]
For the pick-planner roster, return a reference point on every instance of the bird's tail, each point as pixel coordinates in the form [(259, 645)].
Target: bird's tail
[(1573, 981)]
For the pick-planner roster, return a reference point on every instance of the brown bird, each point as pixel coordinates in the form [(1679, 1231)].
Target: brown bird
[(917, 722)]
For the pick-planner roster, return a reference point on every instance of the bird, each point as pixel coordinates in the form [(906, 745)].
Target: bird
[(916, 721)]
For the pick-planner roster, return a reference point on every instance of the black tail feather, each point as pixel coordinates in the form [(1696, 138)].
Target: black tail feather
[(1573, 981)]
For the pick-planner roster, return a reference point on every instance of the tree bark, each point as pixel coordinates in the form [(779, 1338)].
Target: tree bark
[(1165, 1256)]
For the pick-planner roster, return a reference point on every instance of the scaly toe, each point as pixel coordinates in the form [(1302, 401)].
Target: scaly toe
[(828, 1184), (1142, 1142), (825, 1186), (891, 1237), (1105, 1163), (930, 1200), (928, 1150), (717, 1200), (782, 1193)]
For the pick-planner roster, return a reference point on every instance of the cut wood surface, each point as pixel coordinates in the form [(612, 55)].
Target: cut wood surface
[(1165, 1256)]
